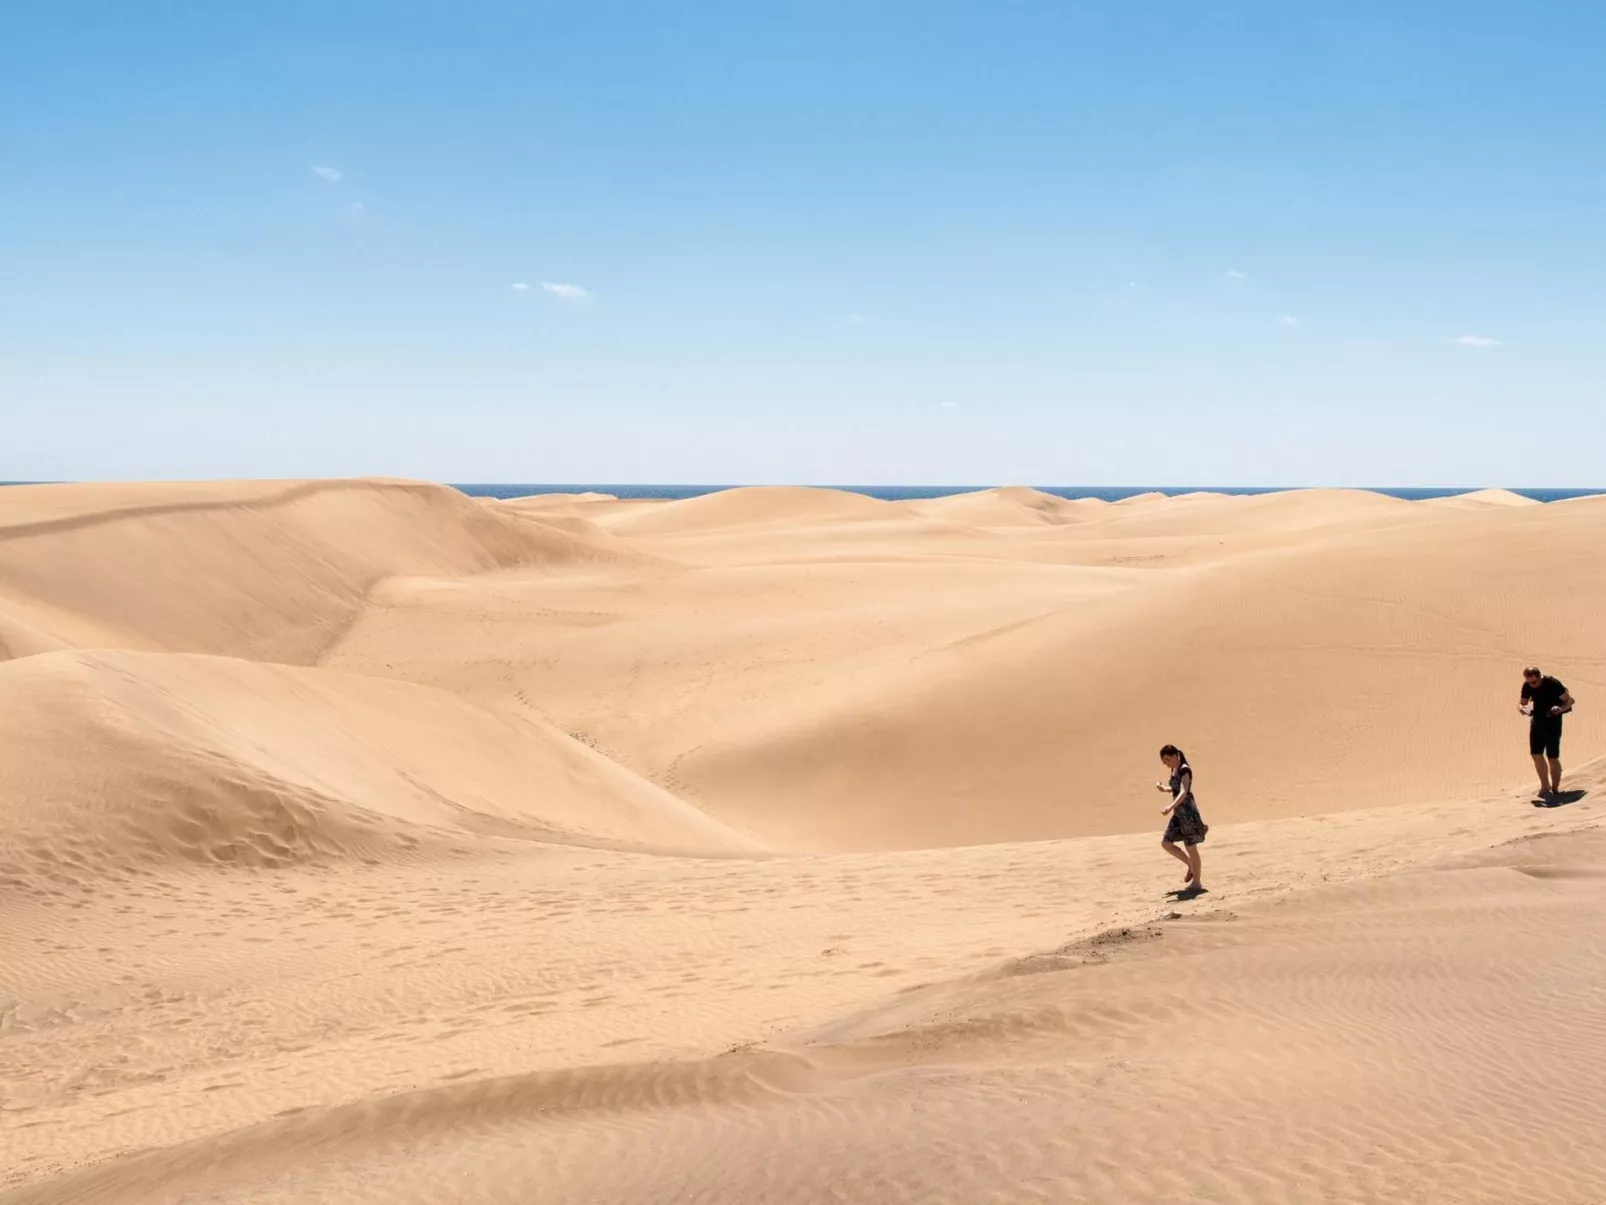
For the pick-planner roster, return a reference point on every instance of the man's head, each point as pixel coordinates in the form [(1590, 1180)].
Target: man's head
[(1532, 675)]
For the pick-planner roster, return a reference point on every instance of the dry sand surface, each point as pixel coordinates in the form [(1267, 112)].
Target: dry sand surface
[(361, 841)]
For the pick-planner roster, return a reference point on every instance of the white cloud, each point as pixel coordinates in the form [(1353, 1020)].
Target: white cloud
[(1288, 320), (518, 286), (949, 405), (858, 319), (330, 175), (355, 215), (1477, 341), (565, 292), (1132, 284), (1234, 274)]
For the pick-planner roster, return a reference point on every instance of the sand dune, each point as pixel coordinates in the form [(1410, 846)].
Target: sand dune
[(364, 841), (789, 506), (538, 502), (19, 638), (263, 570), (1004, 507), (1341, 646), (114, 760), (1484, 498), (1298, 511)]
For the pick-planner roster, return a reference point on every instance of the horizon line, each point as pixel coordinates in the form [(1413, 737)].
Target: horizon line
[(858, 485)]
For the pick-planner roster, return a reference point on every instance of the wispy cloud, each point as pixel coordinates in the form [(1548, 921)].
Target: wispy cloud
[(949, 405), (355, 215), (1477, 341), (858, 319), (330, 175), (565, 292), (519, 286), (1234, 274), (1288, 320)]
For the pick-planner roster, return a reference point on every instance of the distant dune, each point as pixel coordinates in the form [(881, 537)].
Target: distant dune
[(541, 501), (1006, 507), (1484, 498), (753, 506), (844, 695), (360, 840), (271, 571)]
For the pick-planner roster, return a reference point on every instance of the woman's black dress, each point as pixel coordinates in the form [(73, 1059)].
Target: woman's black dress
[(1186, 826)]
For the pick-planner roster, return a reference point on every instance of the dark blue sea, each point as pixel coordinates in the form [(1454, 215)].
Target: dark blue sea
[(896, 493)]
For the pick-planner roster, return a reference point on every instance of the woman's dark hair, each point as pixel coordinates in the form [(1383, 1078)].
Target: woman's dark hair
[(1173, 751)]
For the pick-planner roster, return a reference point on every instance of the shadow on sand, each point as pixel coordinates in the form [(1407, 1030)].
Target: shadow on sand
[(1560, 800)]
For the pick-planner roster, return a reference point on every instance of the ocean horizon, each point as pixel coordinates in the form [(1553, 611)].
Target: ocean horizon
[(900, 493)]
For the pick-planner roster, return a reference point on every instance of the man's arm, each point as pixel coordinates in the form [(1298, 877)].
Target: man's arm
[(1564, 705)]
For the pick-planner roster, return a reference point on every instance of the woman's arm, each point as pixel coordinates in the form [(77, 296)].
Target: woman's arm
[(1185, 783)]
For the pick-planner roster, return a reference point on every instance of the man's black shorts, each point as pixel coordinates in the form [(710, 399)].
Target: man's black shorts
[(1544, 737)]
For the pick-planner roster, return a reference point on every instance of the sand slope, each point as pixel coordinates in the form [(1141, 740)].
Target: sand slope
[(112, 761), (1360, 1041), (267, 570), (363, 841)]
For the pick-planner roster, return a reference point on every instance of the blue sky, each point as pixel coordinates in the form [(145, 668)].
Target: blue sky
[(879, 241)]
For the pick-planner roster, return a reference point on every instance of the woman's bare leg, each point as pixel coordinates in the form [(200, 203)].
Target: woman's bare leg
[(1192, 859), (1171, 848)]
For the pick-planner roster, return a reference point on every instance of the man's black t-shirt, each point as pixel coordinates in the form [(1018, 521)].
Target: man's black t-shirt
[(1544, 694)]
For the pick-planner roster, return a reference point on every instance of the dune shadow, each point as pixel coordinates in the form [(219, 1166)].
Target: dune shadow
[(1560, 800)]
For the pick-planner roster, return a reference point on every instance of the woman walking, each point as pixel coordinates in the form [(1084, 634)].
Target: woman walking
[(1186, 827)]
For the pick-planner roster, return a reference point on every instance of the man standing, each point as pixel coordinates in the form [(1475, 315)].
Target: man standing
[(1545, 700)]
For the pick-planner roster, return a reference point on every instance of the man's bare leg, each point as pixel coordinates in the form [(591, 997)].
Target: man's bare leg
[(1543, 769), (1555, 776)]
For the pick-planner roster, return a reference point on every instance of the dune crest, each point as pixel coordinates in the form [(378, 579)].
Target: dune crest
[(273, 571), (1003, 507), (1491, 497), (751, 506), (545, 501)]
